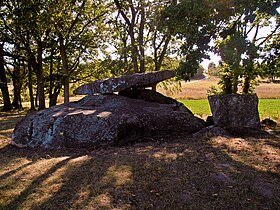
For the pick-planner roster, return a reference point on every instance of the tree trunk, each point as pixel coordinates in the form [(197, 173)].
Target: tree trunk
[(51, 81), (16, 83), (131, 26), (3, 83), (40, 77), (227, 85), (134, 50), (141, 38), (158, 60), (235, 84), (246, 86), (30, 86), (55, 94), (64, 68)]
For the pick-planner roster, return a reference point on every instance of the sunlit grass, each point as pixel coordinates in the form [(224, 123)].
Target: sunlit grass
[(268, 108), (199, 107)]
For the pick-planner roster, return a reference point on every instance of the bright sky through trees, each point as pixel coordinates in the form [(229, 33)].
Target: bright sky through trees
[(215, 58)]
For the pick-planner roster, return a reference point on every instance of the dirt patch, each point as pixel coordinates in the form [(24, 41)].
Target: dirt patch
[(184, 173)]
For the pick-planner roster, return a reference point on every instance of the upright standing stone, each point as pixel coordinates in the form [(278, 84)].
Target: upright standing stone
[(235, 111), (125, 82)]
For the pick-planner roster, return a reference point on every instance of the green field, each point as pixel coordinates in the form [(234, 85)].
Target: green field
[(268, 108)]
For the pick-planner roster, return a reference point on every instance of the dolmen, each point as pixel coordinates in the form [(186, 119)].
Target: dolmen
[(116, 111)]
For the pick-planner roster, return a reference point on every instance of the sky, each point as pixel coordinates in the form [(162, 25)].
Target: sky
[(213, 58)]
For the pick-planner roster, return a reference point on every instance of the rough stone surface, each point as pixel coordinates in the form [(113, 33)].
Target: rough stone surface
[(103, 120), (266, 190), (235, 111), (212, 131), (268, 122), (222, 177), (125, 82), (153, 96), (209, 121)]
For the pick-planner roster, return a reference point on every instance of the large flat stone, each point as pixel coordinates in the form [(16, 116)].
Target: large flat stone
[(103, 120), (125, 82)]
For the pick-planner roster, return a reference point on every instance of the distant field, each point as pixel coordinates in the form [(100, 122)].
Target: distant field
[(198, 89), (268, 108), (194, 95)]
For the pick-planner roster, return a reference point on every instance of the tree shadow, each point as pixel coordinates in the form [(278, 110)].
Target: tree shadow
[(8, 120), (182, 174)]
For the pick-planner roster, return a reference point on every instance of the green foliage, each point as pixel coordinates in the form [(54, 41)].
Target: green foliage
[(213, 70), (190, 22), (271, 65), (214, 90), (229, 78), (238, 50), (56, 42), (49, 36)]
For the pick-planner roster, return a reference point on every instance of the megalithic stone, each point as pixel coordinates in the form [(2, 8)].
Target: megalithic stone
[(104, 120), (117, 84)]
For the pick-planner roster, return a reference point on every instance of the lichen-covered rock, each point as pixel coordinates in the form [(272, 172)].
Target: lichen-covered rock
[(117, 84), (235, 111), (102, 120)]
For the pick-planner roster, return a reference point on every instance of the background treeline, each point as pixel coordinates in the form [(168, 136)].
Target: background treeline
[(48, 47)]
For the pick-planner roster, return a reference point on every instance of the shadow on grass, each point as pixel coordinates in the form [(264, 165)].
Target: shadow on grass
[(8, 120), (14, 204), (7, 124), (185, 174)]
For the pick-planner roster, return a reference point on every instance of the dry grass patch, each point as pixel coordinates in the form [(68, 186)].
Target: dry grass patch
[(260, 154), (196, 89), (268, 90), (199, 89)]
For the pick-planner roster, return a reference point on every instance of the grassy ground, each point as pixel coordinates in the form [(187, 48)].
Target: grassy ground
[(268, 108), (184, 173)]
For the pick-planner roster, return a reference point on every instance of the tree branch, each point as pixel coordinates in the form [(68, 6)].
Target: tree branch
[(268, 37), (117, 3)]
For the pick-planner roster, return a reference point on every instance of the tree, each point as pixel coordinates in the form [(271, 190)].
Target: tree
[(75, 24), (3, 82), (212, 69), (200, 73), (240, 46), (138, 34), (50, 39), (270, 66), (3, 78), (28, 29), (189, 21)]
